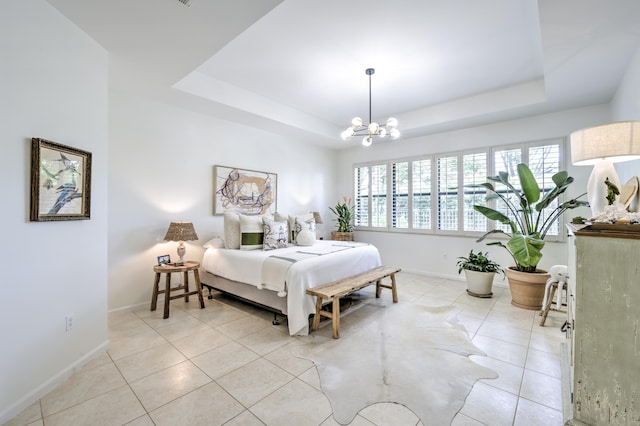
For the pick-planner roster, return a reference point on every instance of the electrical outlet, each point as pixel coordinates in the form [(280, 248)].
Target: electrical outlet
[(69, 322)]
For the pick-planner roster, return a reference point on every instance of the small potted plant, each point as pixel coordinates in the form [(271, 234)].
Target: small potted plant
[(344, 212), (479, 271)]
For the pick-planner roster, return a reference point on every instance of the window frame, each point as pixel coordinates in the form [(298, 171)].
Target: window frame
[(490, 153)]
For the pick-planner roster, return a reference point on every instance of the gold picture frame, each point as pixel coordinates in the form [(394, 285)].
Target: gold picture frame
[(249, 192), (60, 182)]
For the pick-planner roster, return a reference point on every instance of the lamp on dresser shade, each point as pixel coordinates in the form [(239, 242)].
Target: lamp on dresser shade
[(601, 146), (181, 232)]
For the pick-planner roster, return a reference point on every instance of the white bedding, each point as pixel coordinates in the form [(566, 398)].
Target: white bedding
[(328, 261)]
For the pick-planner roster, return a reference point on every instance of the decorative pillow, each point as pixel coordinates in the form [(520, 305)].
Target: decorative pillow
[(231, 230), (251, 232), (303, 223), (215, 242), (275, 234), (302, 217), (279, 217), (305, 238), (292, 224)]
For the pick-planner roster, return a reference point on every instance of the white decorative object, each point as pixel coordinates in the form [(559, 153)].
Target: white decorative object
[(601, 146), (305, 238)]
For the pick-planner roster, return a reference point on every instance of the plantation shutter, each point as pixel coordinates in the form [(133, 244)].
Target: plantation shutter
[(421, 192), (361, 197), (379, 196), (448, 193), (400, 200), (474, 171)]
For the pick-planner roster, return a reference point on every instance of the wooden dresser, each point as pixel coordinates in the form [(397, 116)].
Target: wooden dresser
[(601, 367)]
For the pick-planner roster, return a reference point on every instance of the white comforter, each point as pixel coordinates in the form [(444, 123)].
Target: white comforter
[(247, 267)]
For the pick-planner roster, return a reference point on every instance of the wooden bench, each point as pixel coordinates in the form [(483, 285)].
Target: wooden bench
[(338, 288)]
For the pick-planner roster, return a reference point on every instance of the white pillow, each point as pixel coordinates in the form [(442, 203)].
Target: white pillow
[(251, 232), (305, 238), (275, 234), (215, 242), (231, 230), (299, 222)]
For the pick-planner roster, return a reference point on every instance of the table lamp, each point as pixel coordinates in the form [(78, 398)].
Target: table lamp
[(181, 232), (601, 146)]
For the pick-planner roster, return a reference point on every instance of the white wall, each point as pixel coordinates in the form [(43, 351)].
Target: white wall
[(53, 85), (437, 255), (161, 162), (626, 106)]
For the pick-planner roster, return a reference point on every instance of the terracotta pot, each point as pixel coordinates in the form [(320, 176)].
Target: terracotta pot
[(527, 288), (479, 283)]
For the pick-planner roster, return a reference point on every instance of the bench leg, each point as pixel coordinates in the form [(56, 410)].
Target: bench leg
[(316, 317), (394, 291), (335, 321), (378, 289)]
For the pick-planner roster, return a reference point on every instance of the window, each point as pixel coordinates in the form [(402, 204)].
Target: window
[(407, 195)]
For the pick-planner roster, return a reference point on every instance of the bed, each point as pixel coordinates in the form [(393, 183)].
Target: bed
[(278, 278)]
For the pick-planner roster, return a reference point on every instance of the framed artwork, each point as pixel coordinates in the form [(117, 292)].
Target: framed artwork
[(244, 191), (60, 182), (165, 259)]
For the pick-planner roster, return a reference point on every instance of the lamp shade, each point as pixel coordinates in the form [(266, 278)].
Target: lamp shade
[(615, 142), (317, 217), (181, 231)]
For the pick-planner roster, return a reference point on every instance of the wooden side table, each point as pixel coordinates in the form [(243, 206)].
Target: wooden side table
[(189, 266)]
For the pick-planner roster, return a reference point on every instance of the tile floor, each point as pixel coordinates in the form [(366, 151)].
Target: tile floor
[(227, 364)]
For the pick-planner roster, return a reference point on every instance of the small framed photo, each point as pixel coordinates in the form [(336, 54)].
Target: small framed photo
[(60, 182), (164, 260)]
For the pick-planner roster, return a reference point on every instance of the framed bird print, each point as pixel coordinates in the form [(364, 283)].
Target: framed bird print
[(60, 182)]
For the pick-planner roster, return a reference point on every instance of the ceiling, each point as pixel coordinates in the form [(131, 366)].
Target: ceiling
[(298, 67)]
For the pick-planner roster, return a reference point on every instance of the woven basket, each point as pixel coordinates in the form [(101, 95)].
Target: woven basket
[(341, 236)]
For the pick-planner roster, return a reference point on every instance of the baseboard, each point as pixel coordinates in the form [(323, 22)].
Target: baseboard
[(132, 307), (24, 402), (497, 282)]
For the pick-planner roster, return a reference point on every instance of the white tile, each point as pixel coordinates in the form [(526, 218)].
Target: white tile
[(133, 344), (225, 359), (246, 418), (115, 407), (531, 414), (185, 327), (544, 362), (164, 386), (200, 343), (296, 403), (243, 326), (29, 415), (150, 361), (489, 405), (82, 386), (254, 381), (543, 389), (501, 350), (265, 341), (207, 406), (509, 375)]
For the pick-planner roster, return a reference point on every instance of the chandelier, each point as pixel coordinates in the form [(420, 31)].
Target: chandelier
[(358, 128)]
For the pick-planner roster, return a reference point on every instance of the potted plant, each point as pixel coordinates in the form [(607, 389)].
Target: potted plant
[(344, 212), (528, 228), (479, 271)]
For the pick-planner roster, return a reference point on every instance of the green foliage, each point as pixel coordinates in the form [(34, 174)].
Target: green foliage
[(612, 191), (529, 226), (478, 262), (344, 212)]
